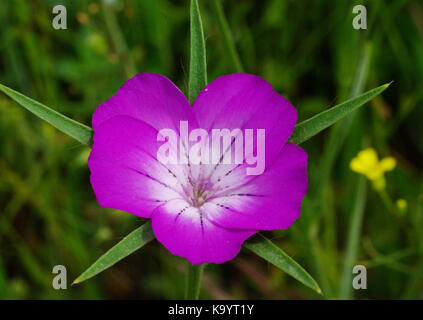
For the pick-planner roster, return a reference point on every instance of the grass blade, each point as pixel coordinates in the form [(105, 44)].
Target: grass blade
[(132, 242), (198, 66), (118, 39), (310, 127), (76, 130), (4, 283), (227, 37), (267, 250), (353, 239)]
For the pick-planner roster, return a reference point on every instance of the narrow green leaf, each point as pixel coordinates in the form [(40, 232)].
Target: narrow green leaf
[(227, 37), (132, 242), (267, 250), (310, 127), (197, 68), (193, 285), (76, 130)]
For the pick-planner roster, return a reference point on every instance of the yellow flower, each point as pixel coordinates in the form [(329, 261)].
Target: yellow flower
[(367, 163), (402, 205)]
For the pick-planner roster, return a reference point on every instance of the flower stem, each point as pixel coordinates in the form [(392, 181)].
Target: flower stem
[(387, 201), (197, 81), (193, 283)]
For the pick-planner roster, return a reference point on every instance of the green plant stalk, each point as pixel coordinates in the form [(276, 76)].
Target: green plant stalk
[(227, 37), (389, 204), (316, 252), (193, 281), (353, 238), (411, 290), (197, 66), (197, 82), (3, 280), (118, 40)]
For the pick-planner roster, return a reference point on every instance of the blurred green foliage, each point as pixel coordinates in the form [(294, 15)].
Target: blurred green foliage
[(311, 54)]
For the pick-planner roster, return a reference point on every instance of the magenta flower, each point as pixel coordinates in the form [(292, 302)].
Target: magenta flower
[(200, 211)]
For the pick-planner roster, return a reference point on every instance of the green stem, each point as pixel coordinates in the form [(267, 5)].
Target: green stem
[(354, 232), (388, 202), (227, 37), (193, 284), (412, 290), (197, 81)]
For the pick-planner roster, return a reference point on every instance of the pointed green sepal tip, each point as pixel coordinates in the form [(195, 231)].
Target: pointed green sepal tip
[(132, 242), (76, 130), (75, 282), (312, 126)]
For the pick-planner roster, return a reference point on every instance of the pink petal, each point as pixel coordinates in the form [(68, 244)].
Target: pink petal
[(246, 101), (149, 97), (268, 201), (125, 174), (185, 231)]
